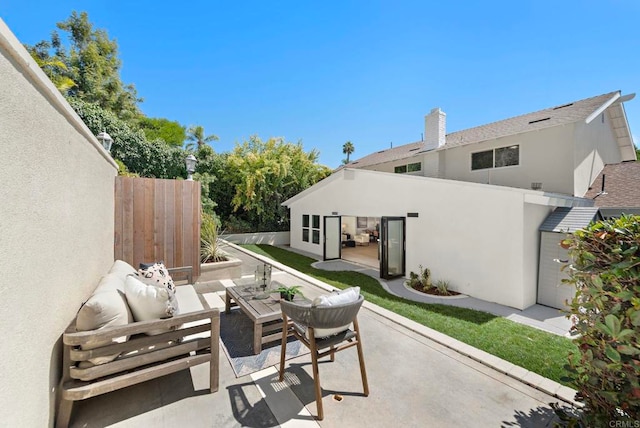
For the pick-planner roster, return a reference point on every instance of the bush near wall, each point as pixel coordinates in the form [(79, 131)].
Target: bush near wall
[(606, 312)]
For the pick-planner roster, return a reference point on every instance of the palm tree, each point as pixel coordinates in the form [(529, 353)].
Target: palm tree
[(196, 133), (347, 148)]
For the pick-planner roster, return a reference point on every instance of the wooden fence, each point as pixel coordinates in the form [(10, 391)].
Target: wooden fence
[(157, 220)]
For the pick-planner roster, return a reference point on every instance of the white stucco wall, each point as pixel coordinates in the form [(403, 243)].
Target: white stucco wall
[(546, 157), (483, 239), (595, 146), (56, 229)]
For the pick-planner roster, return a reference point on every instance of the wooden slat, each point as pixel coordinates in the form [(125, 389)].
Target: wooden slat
[(169, 247), (127, 219), (121, 365), (149, 214), (196, 213), (82, 390), (117, 218), (178, 215), (138, 222), (160, 214)]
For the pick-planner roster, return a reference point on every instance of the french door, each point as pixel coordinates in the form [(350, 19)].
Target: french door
[(332, 238), (392, 246)]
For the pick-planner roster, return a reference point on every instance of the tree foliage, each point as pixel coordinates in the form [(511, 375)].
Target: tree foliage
[(142, 157), (169, 131), (347, 149), (606, 314), (91, 62), (196, 135), (265, 174)]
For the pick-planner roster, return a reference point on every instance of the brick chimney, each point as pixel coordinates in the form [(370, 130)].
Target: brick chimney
[(434, 129)]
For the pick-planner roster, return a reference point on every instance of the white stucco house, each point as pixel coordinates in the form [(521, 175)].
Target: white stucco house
[(468, 205)]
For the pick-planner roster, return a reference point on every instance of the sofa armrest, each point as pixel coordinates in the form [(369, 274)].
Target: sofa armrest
[(182, 273)]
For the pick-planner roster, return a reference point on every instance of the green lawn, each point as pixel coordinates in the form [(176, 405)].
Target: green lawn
[(535, 350)]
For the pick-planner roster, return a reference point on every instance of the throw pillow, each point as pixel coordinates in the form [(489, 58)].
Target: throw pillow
[(122, 269), (104, 309), (341, 297), (158, 275), (348, 295), (148, 302)]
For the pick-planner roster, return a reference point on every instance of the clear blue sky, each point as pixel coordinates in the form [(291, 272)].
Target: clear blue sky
[(365, 71)]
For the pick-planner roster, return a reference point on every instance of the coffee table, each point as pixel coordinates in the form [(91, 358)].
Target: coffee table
[(264, 312)]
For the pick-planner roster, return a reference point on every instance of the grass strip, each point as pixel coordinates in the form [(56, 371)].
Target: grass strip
[(535, 350)]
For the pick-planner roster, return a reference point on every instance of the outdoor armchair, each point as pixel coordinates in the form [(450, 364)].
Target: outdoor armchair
[(320, 327)]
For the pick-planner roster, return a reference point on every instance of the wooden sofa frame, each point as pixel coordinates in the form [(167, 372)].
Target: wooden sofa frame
[(142, 357)]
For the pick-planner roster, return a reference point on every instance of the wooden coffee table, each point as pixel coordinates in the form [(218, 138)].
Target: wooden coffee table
[(262, 311)]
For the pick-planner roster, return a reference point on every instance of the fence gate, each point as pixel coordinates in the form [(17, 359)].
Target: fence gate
[(157, 220)]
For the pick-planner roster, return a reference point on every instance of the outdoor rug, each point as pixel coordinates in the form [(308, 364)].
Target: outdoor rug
[(236, 336)]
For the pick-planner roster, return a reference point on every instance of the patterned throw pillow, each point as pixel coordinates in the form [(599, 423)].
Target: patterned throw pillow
[(157, 275)]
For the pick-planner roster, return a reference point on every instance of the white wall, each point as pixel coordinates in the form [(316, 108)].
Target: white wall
[(56, 229), (269, 238), (483, 239), (595, 146), (546, 156)]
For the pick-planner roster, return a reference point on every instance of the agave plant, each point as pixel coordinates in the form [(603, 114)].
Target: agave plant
[(210, 251)]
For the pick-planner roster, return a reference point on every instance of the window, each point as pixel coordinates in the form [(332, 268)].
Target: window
[(412, 167), (305, 227), (497, 158), (400, 169), (482, 160), (315, 237), (507, 156)]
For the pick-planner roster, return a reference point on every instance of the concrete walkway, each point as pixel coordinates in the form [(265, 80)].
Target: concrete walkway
[(417, 378), (543, 317)]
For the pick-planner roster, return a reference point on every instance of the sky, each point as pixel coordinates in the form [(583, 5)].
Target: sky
[(328, 72)]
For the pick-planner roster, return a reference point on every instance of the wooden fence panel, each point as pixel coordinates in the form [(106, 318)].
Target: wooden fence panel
[(156, 220)]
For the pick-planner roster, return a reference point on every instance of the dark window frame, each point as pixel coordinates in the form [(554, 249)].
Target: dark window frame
[(499, 157)]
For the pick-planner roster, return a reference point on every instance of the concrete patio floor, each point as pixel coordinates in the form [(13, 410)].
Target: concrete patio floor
[(417, 377)]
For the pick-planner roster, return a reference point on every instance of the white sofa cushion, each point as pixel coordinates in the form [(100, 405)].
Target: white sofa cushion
[(122, 269), (107, 308)]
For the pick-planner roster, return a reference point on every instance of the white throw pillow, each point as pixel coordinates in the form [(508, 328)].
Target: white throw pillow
[(104, 309), (148, 302), (348, 295), (157, 275)]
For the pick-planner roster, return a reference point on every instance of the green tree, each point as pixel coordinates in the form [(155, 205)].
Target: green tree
[(170, 132), (348, 148), (53, 67), (265, 174), (142, 157), (196, 134), (92, 63)]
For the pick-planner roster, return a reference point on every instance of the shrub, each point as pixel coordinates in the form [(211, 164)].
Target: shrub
[(606, 312), (443, 287), (210, 250), (421, 281)]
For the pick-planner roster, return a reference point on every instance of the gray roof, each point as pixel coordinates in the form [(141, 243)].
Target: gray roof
[(569, 219), (547, 118)]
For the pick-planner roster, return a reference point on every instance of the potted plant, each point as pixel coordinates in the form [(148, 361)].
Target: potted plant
[(287, 293)]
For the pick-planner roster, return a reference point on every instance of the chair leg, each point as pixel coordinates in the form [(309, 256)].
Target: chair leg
[(333, 353), (363, 370), (316, 374), (283, 347)]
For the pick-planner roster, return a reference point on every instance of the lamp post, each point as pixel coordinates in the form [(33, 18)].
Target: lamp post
[(106, 140), (190, 162)]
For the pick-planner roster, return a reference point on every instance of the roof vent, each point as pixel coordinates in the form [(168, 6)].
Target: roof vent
[(536, 186), (413, 150), (539, 120), (563, 106), (382, 151)]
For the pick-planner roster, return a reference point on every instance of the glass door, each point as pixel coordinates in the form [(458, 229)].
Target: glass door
[(332, 238), (392, 243)]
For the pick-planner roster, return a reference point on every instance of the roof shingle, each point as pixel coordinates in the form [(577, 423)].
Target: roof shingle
[(552, 116), (621, 184)]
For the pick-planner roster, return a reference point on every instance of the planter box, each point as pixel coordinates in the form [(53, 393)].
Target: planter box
[(220, 270)]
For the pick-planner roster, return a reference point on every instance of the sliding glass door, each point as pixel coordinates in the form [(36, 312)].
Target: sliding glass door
[(332, 238)]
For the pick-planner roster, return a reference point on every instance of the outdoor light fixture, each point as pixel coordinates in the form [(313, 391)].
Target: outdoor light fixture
[(190, 162), (106, 140)]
